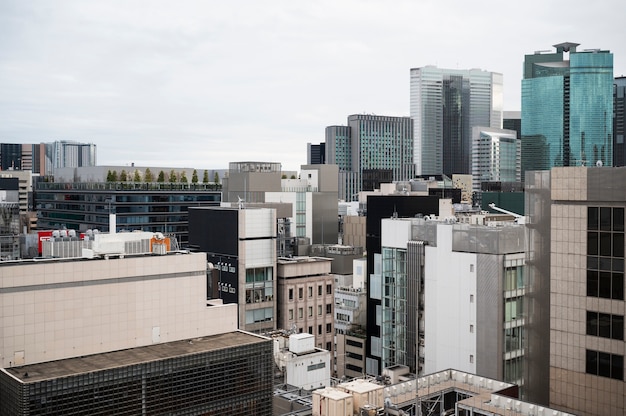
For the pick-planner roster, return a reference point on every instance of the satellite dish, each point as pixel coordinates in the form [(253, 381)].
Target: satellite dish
[(599, 163)]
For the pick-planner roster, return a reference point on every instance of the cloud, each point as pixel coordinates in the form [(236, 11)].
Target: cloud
[(204, 83)]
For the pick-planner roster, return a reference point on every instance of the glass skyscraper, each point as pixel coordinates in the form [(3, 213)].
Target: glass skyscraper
[(445, 105), (567, 108)]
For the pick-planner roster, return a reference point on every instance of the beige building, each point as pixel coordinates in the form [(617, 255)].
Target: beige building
[(58, 309), (306, 298), (576, 223), (354, 230)]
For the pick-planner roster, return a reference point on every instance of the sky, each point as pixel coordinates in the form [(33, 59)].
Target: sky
[(200, 84)]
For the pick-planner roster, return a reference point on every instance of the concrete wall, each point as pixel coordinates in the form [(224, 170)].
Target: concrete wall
[(56, 310), (450, 306)]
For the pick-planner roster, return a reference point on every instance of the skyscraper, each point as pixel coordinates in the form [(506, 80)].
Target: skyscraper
[(370, 150), (567, 108), (445, 105), (619, 122), (496, 156)]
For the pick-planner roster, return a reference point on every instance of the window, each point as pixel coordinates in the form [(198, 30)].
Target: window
[(310, 289), (352, 367), (319, 330), (300, 291), (604, 364), (329, 346), (353, 343), (329, 289), (605, 284), (290, 294), (512, 309), (319, 310), (471, 268), (300, 313), (329, 308), (605, 325), (310, 311), (329, 328), (605, 252), (471, 359), (471, 298), (319, 290), (311, 330), (471, 328), (316, 366), (291, 314)]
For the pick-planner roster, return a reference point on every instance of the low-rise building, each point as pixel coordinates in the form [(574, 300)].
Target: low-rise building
[(306, 298)]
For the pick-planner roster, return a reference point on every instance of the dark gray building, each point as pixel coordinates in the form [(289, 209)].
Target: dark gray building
[(370, 150), (229, 373), (153, 206), (619, 121)]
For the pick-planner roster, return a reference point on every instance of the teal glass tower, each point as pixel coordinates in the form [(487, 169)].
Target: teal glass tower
[(567, 108)]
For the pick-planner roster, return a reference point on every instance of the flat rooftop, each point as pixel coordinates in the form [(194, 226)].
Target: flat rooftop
[(91, 363)]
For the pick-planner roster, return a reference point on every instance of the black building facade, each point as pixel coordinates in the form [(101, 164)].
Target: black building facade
[(225, 374), (378, 208), (154, 207)]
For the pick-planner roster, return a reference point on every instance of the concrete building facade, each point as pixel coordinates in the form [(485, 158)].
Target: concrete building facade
[(240, 246), (576, 222), (305, 298), (54, 310)]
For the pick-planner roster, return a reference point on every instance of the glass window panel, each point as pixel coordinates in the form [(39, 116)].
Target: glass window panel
[(605, 219), (604, 263), (591, 362), (617, 367), (605, 285), (592, 218), (618, 219), (592, 283), (618, 245), (617, 290), (592, 263), (617, 327), (605, 244), (604, 364), (604, 325), (592, 323), (592, 243)]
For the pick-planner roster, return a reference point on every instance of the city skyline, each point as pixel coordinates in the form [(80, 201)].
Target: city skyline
[(192, 85)]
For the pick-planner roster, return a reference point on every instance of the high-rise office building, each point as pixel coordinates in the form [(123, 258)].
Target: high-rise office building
[(496, 156), (69, 154), (370, 150), (44, 158), (445, 105), (452, 297), (315, 153), (619, 122), (22, 156), (567, 108), (576, 295)]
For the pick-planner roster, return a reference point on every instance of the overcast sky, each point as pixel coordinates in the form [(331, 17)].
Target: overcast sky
[(203, 83)]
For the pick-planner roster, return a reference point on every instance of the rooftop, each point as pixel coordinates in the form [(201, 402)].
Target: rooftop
[(97, 362)]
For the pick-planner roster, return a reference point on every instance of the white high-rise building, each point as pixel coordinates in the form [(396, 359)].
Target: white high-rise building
[(445, 105), (496, 156)]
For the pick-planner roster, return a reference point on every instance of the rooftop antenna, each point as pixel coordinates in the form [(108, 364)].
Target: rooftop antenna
[(240, 202)]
